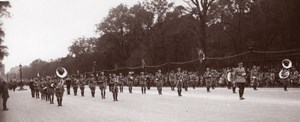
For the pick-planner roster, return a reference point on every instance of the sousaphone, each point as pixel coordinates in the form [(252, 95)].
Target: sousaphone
[(285, 73), (61, 72)]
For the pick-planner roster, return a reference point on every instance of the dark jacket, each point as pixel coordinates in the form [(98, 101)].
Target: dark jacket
[(4, 90)]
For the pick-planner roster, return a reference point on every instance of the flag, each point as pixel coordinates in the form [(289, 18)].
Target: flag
[(201, 55), (143, 63)]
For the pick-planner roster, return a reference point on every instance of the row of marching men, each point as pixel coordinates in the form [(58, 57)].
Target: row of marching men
[(116, 83), (46, 89)]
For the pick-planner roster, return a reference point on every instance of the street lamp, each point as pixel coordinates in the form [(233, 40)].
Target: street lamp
[(21, 82)]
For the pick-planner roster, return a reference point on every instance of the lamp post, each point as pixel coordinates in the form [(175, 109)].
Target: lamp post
[(94, 68), (21, 81)]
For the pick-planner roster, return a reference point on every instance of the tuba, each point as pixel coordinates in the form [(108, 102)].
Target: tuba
[(61, 72), (285, 73)]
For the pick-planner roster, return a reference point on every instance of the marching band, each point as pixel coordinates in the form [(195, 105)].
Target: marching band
[(45, 89)]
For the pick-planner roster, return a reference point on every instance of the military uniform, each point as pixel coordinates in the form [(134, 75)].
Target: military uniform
[(59, 91), (207, 78), (130, 79), (102, 85), (82, 83), (240, 80), (50, 91), (149, 80), (4, 92), (92, 85), (115, 81), (121, 82), (172, 81), (213, 78), (43, 90), (179, 80), (254, 78), (272, 79), (68, 83), (185, 81), (36, 85), (143, 83), (285, 81), (31, 88), (192, 78), (75, 84), (230, 82), (159, 80)]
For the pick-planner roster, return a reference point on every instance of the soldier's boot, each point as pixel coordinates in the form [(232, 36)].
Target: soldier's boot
[(104, 94), (180, 92), (60, 102), (57, 101), (233, 89), (285, 88), (207, 89), (116, 96)]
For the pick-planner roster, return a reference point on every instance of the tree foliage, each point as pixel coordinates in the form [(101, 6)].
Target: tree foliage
[(160, 31)]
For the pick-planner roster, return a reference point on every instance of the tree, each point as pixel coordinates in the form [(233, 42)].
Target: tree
[(201, 9), (3, 13)]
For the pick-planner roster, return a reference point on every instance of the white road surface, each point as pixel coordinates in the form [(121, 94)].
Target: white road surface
[(196, 105)]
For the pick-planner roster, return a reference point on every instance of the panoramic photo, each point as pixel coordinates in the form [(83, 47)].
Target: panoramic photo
[(150, 61)]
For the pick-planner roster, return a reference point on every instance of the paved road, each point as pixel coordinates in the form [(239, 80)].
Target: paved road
[(221, 104)]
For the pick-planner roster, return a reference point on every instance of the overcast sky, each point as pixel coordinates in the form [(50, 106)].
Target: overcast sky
[(46, 28)]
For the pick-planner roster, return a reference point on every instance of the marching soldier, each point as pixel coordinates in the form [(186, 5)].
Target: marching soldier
[(36, 85), (179, 80), (31, 87), (172, 80), (294, 77), (121, 78), (254, 75), (192, 78), (50, 90), (92, 84), (75, 85), (213, 78), (59, 91), (149, 79), (68, 82), (102, 84), (230, 79), (185, 80), (4, 92), (115, 81), (207, 78), (272, 77), (43, 89), (159, 79), (143, 82), (130, 80), (240, 74), (82, 83), (110, 78)]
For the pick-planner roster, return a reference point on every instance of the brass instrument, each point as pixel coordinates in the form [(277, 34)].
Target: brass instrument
[(285, 73)]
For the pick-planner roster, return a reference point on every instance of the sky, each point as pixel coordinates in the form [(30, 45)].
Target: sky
[(44, 29)]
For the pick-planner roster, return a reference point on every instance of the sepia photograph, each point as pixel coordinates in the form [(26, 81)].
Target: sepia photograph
[(149, 61)]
